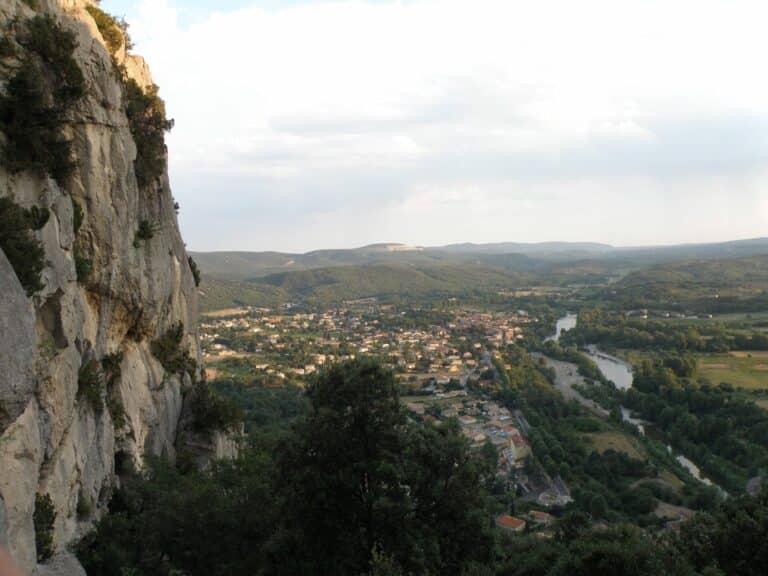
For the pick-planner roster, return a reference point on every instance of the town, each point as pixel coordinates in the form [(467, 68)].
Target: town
[(447, 362)]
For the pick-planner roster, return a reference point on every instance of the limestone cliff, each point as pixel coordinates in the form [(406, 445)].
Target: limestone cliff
[(54, 439)]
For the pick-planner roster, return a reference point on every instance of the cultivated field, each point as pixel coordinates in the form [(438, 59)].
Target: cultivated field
[(741, 369)]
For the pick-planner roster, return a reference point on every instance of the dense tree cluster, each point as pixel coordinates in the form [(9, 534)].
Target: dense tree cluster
[(721, 430), (613, 330), (264, 408)]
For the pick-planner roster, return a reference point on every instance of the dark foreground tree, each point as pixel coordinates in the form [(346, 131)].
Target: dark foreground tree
[(360, 480), (733, 540), (355, 489)]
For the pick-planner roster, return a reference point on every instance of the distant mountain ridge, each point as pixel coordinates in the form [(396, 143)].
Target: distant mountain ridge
[(513, 256), (526, 248)]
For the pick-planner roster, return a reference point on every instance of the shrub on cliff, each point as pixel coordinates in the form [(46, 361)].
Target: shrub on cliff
[(195, 270), (213, 412), (114, 30), (23, 251), (144, 233), (77, 216), (82, 265), (43, 518), (38, 99), (90, 384), (148, 124), (168, 350)]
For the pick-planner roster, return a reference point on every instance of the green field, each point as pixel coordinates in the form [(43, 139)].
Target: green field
[(747, 370), (617, 441)]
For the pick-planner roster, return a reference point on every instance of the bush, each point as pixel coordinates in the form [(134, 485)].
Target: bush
[(148, 124), (38, 217), (110, 364), (38, 98), (82, 266), (213, 412), (23, 251), (145, 232), (195, 270), (43, 518), (90, 384), (111, 369), (84, 508), (7, 49), (113, 30), (116, 411), (167, 349), (77, 215)]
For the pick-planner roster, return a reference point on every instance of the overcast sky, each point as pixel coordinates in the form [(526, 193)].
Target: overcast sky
[(317, 124)]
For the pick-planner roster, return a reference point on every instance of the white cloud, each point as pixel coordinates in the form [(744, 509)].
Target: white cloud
[(392, 107)]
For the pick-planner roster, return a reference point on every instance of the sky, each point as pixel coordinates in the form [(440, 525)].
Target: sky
[(308, 124)]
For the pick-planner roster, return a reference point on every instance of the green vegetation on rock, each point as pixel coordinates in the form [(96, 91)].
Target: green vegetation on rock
[(145, 233), (148, 123), (213, 412), (195, 270), (23, 250), (43, 518), (38, 100), (169, 351), (90, 384), (113, 30)]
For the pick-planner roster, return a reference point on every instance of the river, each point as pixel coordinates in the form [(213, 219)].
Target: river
[(614, 369), (565, 323), (620, 373)]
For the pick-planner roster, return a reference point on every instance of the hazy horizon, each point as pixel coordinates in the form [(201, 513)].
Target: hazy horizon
[(305, 124), (469, 242)]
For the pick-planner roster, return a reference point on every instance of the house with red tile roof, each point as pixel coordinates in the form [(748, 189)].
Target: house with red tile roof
[(510, 523)]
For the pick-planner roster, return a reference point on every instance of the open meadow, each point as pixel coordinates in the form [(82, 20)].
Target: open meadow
[(741, 369)]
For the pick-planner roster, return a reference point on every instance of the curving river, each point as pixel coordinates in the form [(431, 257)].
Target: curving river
[(614, 369), (620, 373), (563, 324)]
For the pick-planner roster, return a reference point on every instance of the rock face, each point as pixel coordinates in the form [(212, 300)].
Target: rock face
[(53, 440)]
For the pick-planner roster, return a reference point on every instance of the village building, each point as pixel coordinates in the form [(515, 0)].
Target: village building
[(510, 523)]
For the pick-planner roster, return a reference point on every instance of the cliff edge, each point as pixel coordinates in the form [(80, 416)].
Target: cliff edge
[(98, 344)]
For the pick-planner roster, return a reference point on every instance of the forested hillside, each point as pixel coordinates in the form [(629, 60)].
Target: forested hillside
[(712, 286)]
